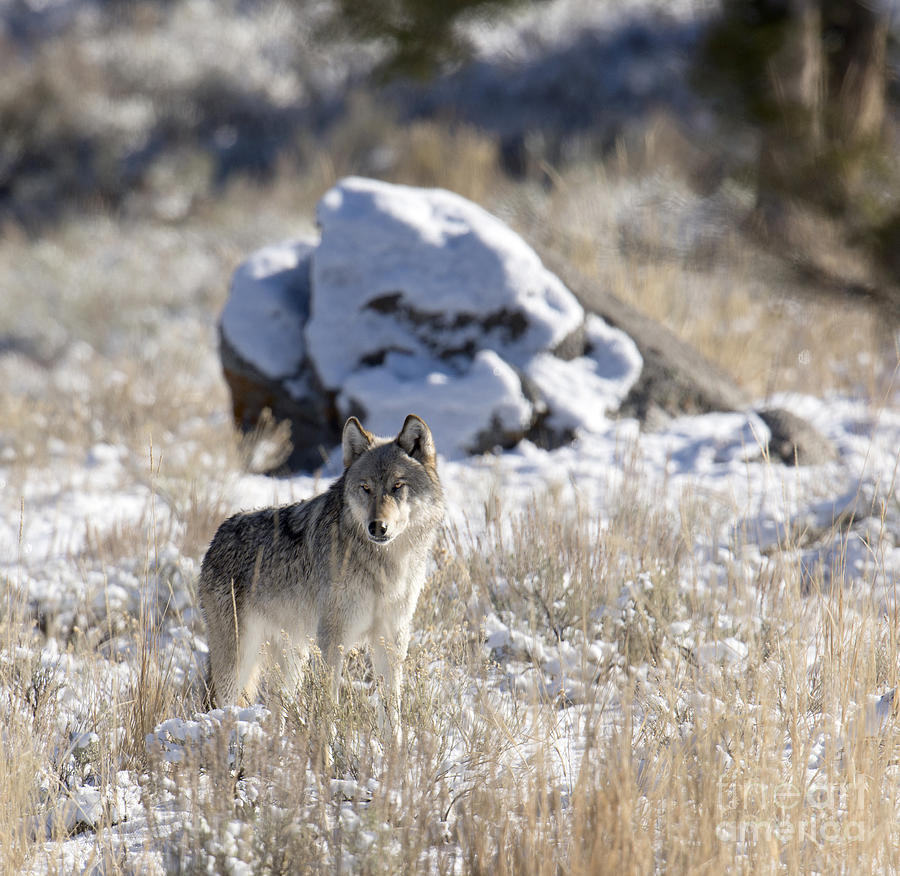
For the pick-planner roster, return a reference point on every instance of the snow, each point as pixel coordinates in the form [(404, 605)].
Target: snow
[(587, 389), (450, 262), (456, 407), (174, 736), (95, 550), (86, 604), (262, 319), (752, 511), (417, 300)]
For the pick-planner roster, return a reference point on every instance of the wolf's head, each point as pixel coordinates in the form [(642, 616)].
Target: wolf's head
[(390, 485)]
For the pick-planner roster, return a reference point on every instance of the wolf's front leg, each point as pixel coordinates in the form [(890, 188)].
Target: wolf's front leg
[(387, 662), (330, 641)]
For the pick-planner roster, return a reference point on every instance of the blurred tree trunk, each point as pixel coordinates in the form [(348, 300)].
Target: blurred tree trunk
[(824, 78), (857, 79), (793, 77)]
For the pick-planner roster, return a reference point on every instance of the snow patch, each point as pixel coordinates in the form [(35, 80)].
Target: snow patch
[(583, 391), (263, 317), (456, 407), (403, 268)]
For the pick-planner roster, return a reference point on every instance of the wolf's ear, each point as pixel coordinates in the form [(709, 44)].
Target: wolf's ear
[(355, 441), (415, 438)]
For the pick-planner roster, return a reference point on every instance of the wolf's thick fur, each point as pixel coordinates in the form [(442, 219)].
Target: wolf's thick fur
[(341, 569)]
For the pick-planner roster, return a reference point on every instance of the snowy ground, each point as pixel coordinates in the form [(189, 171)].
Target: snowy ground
[(745, 519), (647, 650)]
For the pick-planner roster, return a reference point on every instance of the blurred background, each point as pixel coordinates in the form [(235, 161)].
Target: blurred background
[(728, 168)]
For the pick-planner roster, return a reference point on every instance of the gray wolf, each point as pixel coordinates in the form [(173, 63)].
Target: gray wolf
[(341, 569)]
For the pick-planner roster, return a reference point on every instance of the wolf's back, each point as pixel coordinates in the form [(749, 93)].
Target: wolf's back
[(263, 549)]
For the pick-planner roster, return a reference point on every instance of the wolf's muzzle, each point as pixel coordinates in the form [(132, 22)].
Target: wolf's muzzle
[(378, 530)]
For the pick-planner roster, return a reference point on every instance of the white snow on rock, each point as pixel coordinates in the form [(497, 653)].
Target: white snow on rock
[(584, 390), (419, 270), (417, 300), (260, 319), (455, 407)]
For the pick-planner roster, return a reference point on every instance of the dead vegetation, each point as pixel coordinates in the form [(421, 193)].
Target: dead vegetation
[(109, 341)]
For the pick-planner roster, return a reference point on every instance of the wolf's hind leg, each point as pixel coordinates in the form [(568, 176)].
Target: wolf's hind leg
[(222, 687), (249, 646), (233, 666), (222, 678)]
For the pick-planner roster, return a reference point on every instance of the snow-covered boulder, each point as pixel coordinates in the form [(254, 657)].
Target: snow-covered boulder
[(263, 350), (426, 273), (268, 306), (419, 300)]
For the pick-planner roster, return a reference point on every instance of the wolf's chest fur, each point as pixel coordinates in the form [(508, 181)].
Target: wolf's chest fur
[(389, 571)]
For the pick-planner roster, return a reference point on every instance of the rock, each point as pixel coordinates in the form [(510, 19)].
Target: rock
[(267, 307), (417, 300), (263, 352), (795, 441), (423, 301), (424, 272)]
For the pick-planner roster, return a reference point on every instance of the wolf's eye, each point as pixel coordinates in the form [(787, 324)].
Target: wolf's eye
[(398, 486), (365, 488)]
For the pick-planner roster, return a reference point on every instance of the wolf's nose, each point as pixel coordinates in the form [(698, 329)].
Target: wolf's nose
[(377, 528)]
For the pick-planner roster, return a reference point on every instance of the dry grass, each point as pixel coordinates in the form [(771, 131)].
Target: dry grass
[(686, 771), (679, 763), (683, 260), (679, 759), (776, 343)]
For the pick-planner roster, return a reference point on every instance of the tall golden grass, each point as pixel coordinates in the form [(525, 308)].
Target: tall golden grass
[(663, 758)]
